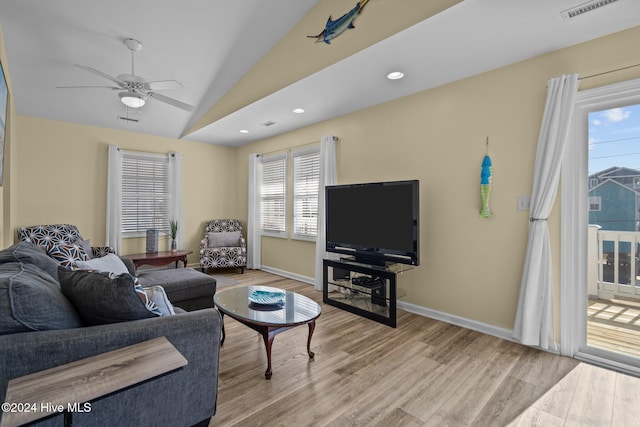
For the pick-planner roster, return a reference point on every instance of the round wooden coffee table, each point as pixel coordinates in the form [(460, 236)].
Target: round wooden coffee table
[(268, 320)]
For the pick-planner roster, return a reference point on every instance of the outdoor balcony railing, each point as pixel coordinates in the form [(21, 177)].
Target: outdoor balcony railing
[(614, 263)]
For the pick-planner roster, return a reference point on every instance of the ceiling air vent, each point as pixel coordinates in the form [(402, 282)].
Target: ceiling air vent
[(589, 6), (269, 123)]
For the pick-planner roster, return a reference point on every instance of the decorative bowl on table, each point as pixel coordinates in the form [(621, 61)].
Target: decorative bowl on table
[(267, 297)]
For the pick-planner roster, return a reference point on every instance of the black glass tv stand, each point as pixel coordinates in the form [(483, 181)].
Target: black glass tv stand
[(363, 289)]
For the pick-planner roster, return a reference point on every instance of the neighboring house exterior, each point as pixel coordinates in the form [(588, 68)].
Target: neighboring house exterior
[(614, 199)]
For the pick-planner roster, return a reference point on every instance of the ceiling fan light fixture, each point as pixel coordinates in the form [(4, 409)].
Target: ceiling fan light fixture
[(132, 100)]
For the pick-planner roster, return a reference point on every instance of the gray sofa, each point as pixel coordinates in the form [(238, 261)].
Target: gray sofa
[(186, 288), (40, 329)]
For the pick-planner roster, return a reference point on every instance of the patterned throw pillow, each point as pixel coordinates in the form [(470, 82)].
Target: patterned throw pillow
[(148, 303), (67, 255), (159, 297), (48, 235)]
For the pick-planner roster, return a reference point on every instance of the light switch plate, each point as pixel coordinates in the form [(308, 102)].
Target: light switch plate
[(524, 202)]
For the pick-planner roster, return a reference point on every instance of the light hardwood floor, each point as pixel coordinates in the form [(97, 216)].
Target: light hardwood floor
[(424, 373)]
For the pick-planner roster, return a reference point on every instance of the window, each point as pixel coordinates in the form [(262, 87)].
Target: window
[(306, 178), (272, 195), (146, 195), (595, 203)]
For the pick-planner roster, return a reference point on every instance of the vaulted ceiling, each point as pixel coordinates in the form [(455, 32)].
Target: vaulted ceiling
[(247, 63)]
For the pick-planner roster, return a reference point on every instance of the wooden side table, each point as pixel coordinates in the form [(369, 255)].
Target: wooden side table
[(160, 258), (67, 387)]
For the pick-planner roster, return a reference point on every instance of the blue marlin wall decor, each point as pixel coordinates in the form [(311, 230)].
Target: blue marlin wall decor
[(334, 28)]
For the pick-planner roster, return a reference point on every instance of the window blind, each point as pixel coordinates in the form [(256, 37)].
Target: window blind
[(146, 195), (272, 193), (306, 177)]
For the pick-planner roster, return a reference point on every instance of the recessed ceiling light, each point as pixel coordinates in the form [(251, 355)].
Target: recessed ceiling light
[(244, 131), (298, 110), (395, 75)]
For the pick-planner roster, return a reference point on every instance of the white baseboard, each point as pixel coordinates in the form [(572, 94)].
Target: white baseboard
[(485, 328), (289, 275)]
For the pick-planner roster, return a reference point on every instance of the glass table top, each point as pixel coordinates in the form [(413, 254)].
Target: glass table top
[(297, 309)]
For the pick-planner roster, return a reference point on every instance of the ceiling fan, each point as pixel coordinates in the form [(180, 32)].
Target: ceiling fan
[(135, 90)]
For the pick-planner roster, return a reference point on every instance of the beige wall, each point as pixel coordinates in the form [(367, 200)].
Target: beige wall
[(470, 267), (62, 175)]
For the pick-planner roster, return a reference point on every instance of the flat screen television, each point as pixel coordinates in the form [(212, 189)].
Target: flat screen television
[(375, 223)]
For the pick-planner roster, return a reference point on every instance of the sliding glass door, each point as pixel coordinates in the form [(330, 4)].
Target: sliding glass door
[(613, 288), (600, 289)]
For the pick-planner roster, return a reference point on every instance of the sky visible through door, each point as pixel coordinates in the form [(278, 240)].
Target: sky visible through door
[(614, 138)]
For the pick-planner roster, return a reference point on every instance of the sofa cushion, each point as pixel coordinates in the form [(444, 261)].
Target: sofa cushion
[(30, 253), (67, 255), (30, 300), (180, 284), (110, 263), (223, 239), (103, 298)]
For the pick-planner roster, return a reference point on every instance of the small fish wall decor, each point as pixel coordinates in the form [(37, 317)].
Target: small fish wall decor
[(485, 187), (334, 28)]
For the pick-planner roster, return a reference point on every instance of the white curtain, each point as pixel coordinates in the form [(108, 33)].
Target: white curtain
[(534, 317), (114, 183), (175, 188), (328, 176), (254, 239)]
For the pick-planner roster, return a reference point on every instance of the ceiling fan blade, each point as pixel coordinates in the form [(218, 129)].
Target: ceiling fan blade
[(164, 85), (171, 101), (101, 74), (89, 87)]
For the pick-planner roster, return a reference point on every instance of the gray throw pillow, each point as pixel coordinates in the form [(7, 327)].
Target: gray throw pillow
[(86, 245), (223, 239), (30, 300), (103, 298)]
